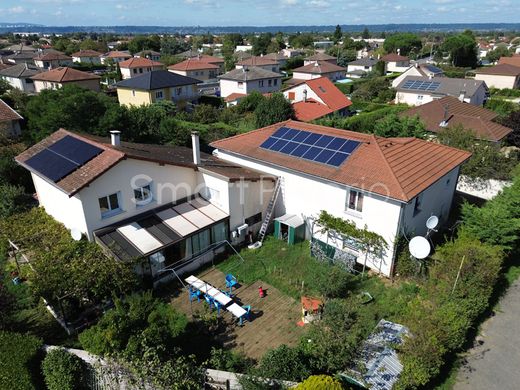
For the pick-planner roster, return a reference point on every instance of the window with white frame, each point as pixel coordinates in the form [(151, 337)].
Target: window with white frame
[(354, 201), (109, 205), (143, 195)]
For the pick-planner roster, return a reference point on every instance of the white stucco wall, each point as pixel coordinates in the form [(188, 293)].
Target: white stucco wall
[(87, 60), (270, 68), (498, 81), (333, 76), (397, 67), (298, 93), (21, 84), (306, 196), (352, 68), (227, 87)]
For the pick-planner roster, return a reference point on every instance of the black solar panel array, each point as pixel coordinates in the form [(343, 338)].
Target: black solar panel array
[(314, 147), (420, 85), (63, 157)]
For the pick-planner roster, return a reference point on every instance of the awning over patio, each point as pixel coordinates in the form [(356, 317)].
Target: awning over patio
[(159, 228)]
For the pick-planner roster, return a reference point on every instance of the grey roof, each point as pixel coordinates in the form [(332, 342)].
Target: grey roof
[(447, 86), (379, 360), (249, 73), (357, 72), (24, 55), (364, 62), (157, 79), (20, 70), (431, 68)]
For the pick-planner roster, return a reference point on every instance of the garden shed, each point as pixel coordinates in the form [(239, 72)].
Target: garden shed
[(290, 228)]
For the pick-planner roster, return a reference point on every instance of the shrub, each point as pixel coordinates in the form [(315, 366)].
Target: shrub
[(275, 108), (205, 113), (19, 361), (223, 359), (320, 382), (335, 283), (63, 370), (284, 363)]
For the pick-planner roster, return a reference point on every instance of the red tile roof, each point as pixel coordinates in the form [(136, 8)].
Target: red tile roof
[(258, 61), (476, 118), (393, 57), (329, 93), (320, 67), (139, 62), (234, 96), (210, 59), (52, 57), (7, 113), (399, 168), (193, 64), (513, 60), (64, 74), (310, 109), (117, 54), (86, 53), (500, 70), (320, 57)]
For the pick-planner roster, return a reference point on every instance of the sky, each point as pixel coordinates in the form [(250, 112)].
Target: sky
[(256, 12)]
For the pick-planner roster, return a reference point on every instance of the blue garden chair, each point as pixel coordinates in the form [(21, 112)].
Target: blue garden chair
[(195, 294), (209, 300), (247, 316), (218, 305), (231, 282)]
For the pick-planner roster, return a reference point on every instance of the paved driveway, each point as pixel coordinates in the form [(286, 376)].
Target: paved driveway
[(494, 363)]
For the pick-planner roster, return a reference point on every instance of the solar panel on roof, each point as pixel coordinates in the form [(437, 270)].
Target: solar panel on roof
[(421, 85), (74, 149), (324, 149), (51, 165)]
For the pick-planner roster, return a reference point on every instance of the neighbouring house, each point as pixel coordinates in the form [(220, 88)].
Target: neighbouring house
[(52, 60), (169, 206), (136, 66), (319, 69), (9, 121), (246, 80), (449, 111), (390, 186), (155, 86), (421, 70), (361, 67), (259, 62), (87, 57), (244, 48), (513, 60), (115, 56), (205, 58), (500, 76), (395, 63), (291, 53), (316, 98), (19, 76), (150, 54), (4, 66), (196, 68), (414, 90), (279, 57), (21, 57), (57, 78), (319, 57)]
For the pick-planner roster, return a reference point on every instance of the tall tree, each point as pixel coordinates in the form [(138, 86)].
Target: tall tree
[(405, 42), (463, 49), (273, 109), (338, 34), (365, 34)]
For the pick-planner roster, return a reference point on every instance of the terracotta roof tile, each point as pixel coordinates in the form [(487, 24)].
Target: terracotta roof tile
[(320, 67), (193, 64), (393, 57), (476, 118), (310, 110), (399, 168), (139, 62), (65, 74), (258, 61), (501, 70), (234, 96), (513, 60), (320, 57), (86, 53), (7, 113), (52, 57), (117, 54), (329, 93)]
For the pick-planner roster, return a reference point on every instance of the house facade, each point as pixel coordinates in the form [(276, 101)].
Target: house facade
[(9, 121), (246, 80), (395, 63), (415, 91), (137, 66), (365, 65), (197, 69), (264, 62), (500, 76), (156, 86), (315, 70), (419, 70), (87, 57), (380, 185), (115, 57), (162, 204), (58, 77), (52, 60), (19, 76)]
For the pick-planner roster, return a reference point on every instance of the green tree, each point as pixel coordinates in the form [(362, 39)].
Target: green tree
[(205, 113), (285, 363), (499, 51), (462, 49), (338, 34), (63, 370), (144, 42), (260, 43), (250, 102), (14, 200), (365, 34), (513, 122), (275, 108), (404, 126), (4, 86), (19, 362), (320, 382), (173, 45), (406, 42)]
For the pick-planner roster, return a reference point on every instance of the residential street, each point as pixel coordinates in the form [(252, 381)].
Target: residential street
[(494, 364)]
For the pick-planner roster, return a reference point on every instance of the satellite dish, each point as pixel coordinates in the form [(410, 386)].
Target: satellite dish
[(432, 222), (419, 247), (76, 234)]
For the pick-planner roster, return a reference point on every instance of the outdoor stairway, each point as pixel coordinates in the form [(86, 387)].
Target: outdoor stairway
[(269, 211)]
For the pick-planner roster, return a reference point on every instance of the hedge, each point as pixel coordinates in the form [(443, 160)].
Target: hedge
[(63, 370), (19, 361)]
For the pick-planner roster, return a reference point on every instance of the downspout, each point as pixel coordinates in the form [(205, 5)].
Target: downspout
[(399, 225)]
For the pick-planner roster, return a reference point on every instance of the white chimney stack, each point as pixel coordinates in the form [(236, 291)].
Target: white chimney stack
[(462, 96), (115, 137), (195, 145)]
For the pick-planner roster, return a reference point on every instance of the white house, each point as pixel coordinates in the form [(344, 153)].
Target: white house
[(421, 70), (9, 121), (266, 63), (150, 54), (365, 65), (246, 80), (115, 56), (87, 57), (52, 60), (19, 76), (415, 91), (391, 186), (58, 77), (160, 203), (136, 66), (395, 63), (319, 69), (500, 76), (319, 57)]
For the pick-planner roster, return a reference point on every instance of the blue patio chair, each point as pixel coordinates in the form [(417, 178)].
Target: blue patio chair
[(231, 282), (247, 315), (195, 294), (218, 305), (209, 300)]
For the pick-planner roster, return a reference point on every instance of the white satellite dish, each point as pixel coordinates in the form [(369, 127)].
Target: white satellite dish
[(76, 234), (419, 247), (432, 222)]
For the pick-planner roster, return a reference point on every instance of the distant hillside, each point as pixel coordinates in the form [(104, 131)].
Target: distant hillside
[(27, 27)]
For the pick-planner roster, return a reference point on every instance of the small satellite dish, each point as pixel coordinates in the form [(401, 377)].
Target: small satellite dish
[(432, 222), (75, 234), (419, 247)]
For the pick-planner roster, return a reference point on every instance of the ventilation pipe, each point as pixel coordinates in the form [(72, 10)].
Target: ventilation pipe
[(304, 95), (195, 145), (462, 95), (115, 137)]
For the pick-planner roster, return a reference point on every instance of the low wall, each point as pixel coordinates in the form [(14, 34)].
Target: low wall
[(484, 189)]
